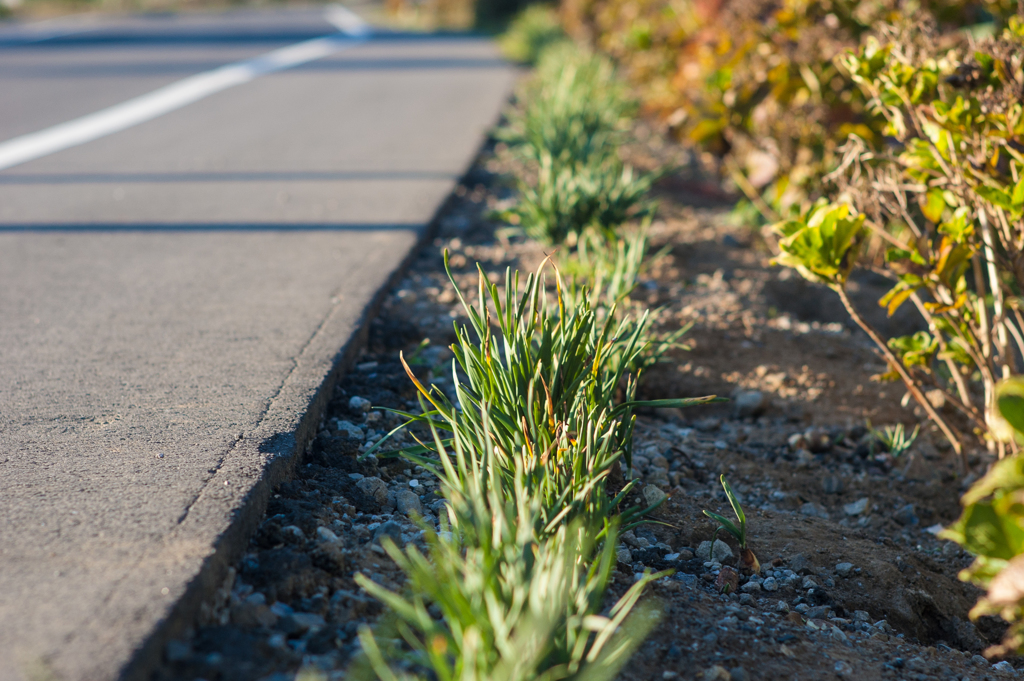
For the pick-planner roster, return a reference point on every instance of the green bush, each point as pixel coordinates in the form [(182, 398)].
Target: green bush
[(942, 205)]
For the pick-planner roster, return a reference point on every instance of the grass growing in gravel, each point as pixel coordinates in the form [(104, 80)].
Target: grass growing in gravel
[(556, 382), (490, 601), (530, 454), (568, 132)]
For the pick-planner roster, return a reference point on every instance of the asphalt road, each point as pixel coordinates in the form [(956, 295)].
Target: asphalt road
[(174, 296)]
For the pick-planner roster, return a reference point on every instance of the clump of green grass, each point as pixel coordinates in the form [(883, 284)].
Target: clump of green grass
[(530, 33), (557, 385), (569, 131), (895, 439), (506, 606)]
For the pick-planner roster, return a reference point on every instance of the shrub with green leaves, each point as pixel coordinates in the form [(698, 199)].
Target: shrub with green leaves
[(992, 528), (942, 206), (491, 602)]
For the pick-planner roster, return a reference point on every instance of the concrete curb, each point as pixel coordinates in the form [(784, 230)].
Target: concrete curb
[(282, 439)]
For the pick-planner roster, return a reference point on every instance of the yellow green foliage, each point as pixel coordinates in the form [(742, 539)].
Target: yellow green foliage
[(754, 82)]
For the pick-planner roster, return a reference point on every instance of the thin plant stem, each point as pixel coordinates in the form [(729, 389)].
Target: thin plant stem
[(908, 380)]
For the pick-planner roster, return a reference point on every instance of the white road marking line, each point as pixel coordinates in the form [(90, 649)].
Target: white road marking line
[(182, 93)]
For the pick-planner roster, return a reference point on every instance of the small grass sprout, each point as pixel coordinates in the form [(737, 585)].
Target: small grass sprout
[(895, 438), (738, 529)]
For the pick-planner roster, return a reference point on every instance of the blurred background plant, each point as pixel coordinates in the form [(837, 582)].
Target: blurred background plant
[(573, 117), (753, 84), (530, 33)]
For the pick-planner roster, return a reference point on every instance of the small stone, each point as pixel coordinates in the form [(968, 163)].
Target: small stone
[(769, 584), (738, 674), (389, 529), (294, 533), (799, 563), (719, 554), (351, 430), (819, 440), (670, 675), (727, 580), (747, 599), (782, 606), (357, 403), (326, 535), (630, 539), (814, 510), (844, 569), (856, 508), (832, 484), (653, 495), (905, 516), (407, 502), (818, 612), (246, 614), (281, 609), (624, 555), (979, 661), (177, 651), (716, 673), (750, 403), (861, 616), (843, 668), (1004, 666), (808, 583), (751, 587), (797, 441), (414, 483), (374, 488), (301, 622)]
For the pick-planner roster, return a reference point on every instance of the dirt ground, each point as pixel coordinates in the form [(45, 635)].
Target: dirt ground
[(854, 582)]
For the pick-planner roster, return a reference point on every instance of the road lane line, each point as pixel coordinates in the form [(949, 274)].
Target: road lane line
[(182, 93)]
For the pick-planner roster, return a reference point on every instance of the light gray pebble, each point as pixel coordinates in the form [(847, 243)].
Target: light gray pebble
[(653, 495), (856, 508), (408, 502), (750, 403), (389, 529), (375, 488), (769, 584), (719, 554), (357, 403), (844, 569), (326, 535), (814, 510), (294, 532)]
